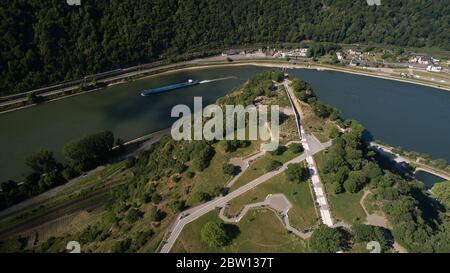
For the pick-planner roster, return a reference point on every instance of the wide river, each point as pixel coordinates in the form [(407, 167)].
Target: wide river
[(400, 114)]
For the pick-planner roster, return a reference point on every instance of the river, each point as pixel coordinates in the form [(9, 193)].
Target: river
[(412, 116)]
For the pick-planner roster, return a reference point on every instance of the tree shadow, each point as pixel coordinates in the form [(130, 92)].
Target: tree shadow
[(347, 239), (232, 231), (237, 170)]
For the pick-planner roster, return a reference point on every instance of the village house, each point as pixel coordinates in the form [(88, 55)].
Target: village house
[(421, 59), (340, 55), (352, 52), (232, 52), (434, 68), (355, 62), (300, 52)]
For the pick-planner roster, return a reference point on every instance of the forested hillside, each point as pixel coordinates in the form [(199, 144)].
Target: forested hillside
[(47, 41)]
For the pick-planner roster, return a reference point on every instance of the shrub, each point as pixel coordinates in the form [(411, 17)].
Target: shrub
[(214, 234), (200, 196), (142, 238), (134, 215), (121, 246), (296, 148), (154, 214), (229, 169), (156, 198), (177, 205), (273, 165), (279, 150)]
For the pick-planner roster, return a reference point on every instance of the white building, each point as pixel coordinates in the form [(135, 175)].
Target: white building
[(421, 59), (434, 68), (340, 55), (354, 53), (300, 52), (355, 62)]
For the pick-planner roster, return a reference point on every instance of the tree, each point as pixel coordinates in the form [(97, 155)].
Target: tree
[(46, 172), (296, 148), (368, 233), (57, 33), (355, 182), (273, 165), (297, 172), (90, 151), (325, 240), (229, 169), (372, 171), (233, 145), (154, 214), (442, 192), (134, 215), (202, 156), (156, 198), (177, 205), (42, 162), (337, 188), (121, 246), (200, 196), (142, 238), (279, 150), (214, 234)]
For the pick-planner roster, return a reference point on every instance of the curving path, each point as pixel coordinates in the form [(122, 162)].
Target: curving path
[(276, 202)]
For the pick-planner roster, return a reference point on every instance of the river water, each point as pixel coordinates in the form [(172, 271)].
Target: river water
[(400, 114)]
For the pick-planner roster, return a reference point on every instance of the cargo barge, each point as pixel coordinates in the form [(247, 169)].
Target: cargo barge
[(168, 88)]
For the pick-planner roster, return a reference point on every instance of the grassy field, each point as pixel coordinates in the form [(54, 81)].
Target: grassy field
[(346, 207), (288, 130), (258, 167), (302, 215), (312, 123), (260, 231), (212, 177)]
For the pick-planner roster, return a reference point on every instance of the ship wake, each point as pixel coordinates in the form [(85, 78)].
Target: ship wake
[(219, 79)]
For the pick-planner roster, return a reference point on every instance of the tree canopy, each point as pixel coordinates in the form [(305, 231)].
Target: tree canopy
[(89, 151), (297, 172), (44, 42), (214, 234), (325, 240), (442, 192)]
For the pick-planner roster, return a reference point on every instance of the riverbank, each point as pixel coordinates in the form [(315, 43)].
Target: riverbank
[(214, 62), (402, 159), (131, 148)]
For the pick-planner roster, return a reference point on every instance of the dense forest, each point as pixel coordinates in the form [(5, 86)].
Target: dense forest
[(48, 41)]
